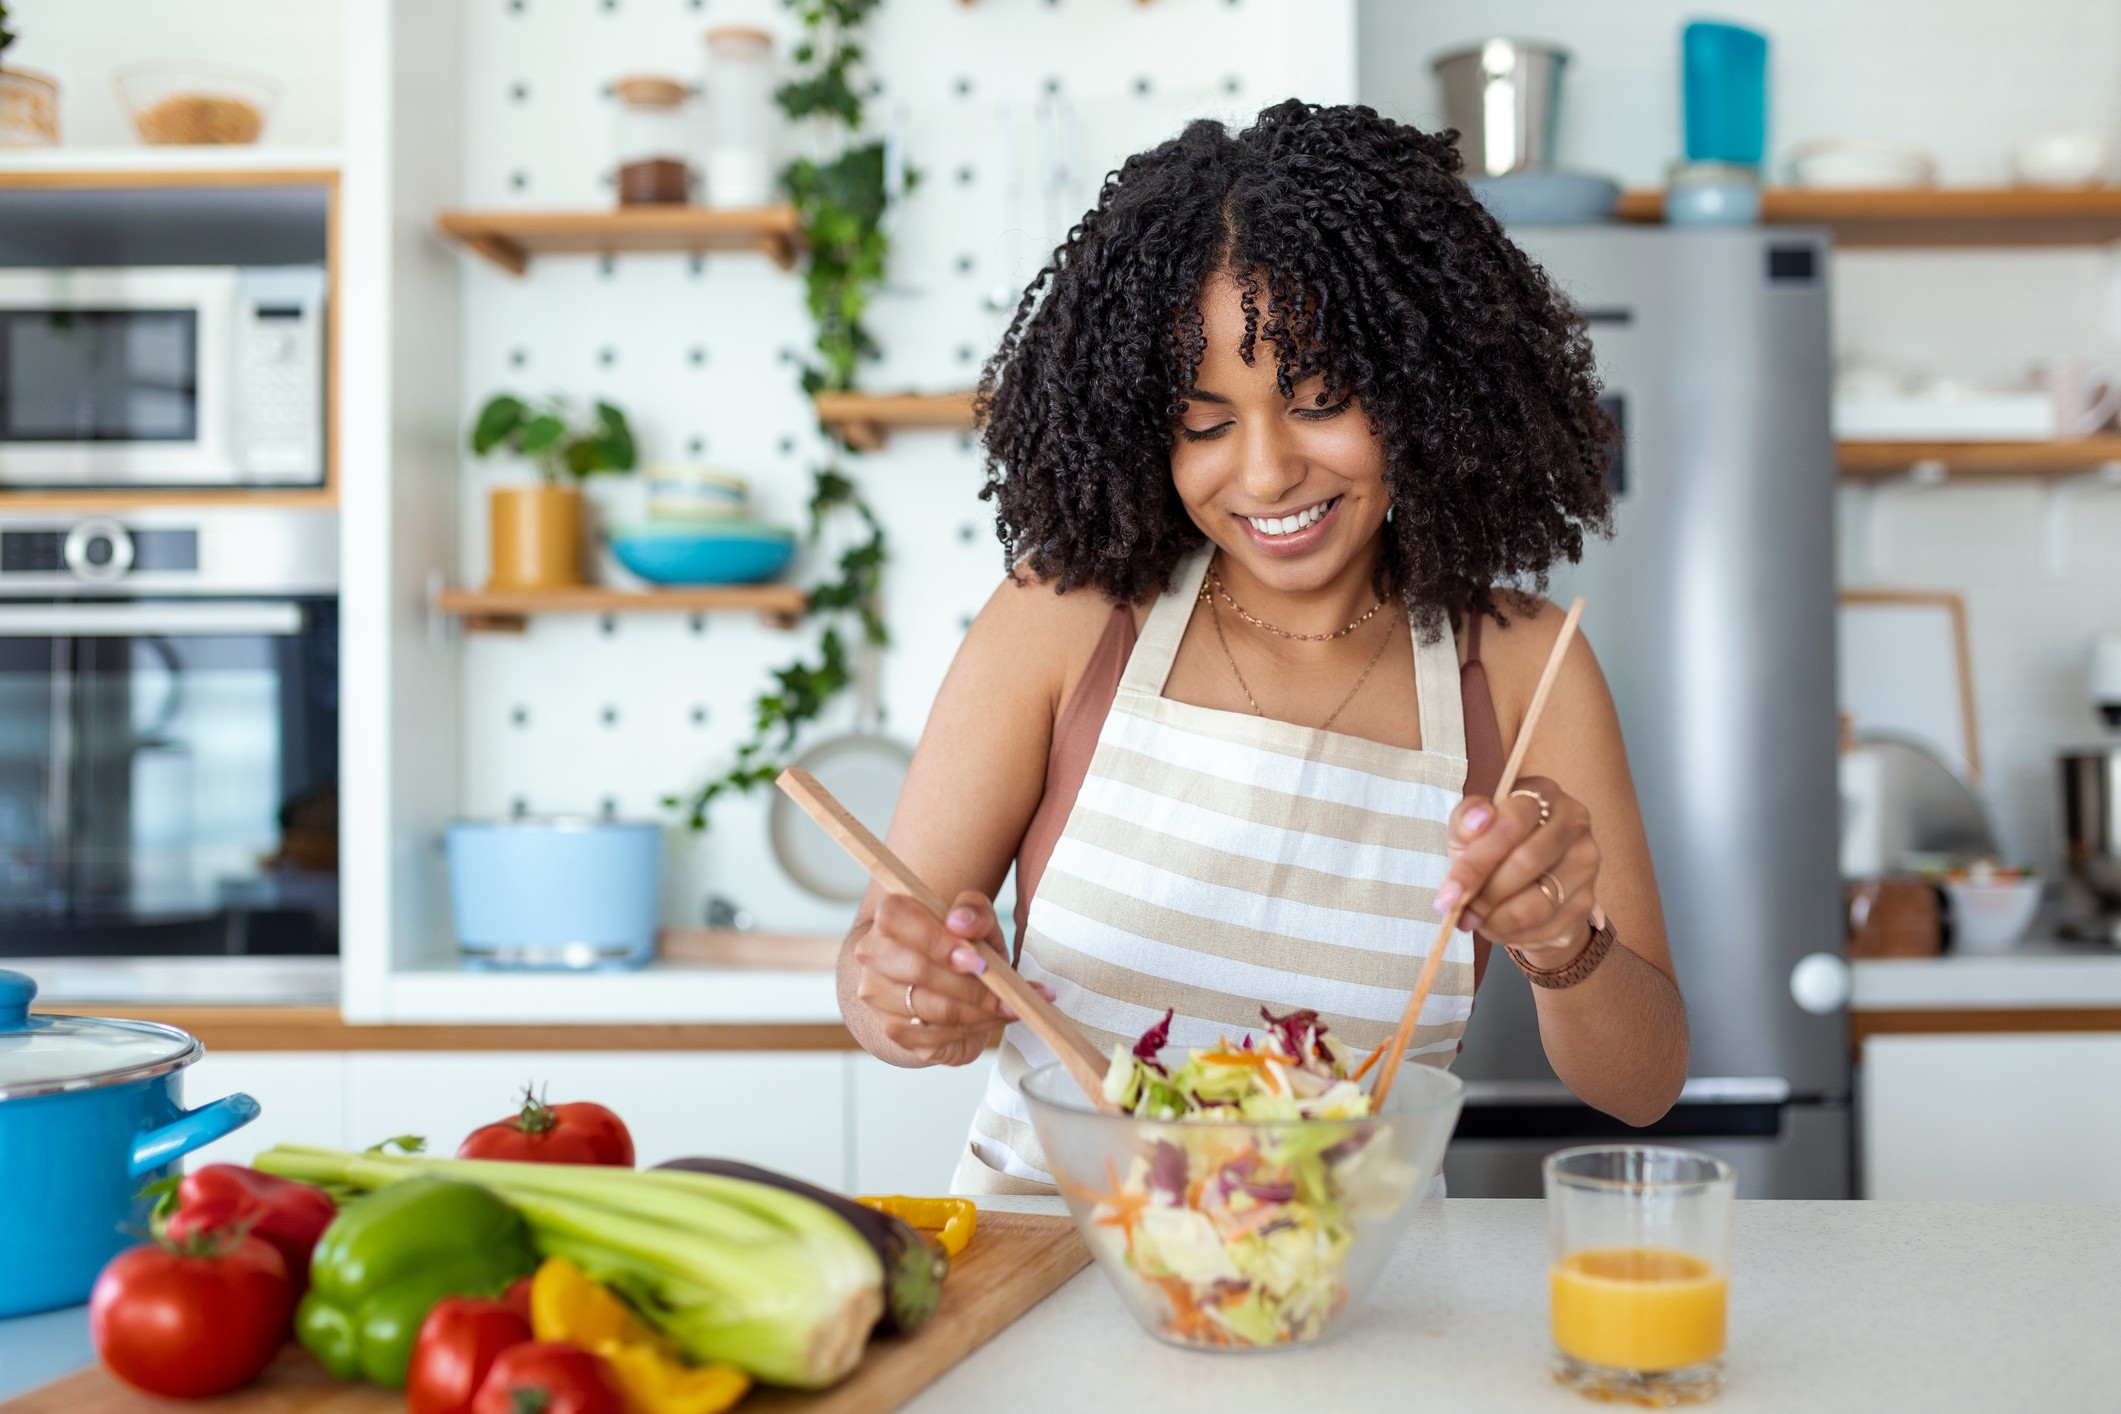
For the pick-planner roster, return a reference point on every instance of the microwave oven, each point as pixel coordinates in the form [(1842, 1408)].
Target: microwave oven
[(162, 376)]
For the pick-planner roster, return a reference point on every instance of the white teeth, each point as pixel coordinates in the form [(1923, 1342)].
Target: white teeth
[(1289, 525)]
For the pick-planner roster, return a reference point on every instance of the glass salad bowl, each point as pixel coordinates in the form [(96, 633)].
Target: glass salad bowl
[(1252, 1235)]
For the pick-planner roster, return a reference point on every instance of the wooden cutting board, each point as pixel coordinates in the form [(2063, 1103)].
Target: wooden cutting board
[(1013, 1263)]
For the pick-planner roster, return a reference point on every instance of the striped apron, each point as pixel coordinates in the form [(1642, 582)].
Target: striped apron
[(1217, 862)]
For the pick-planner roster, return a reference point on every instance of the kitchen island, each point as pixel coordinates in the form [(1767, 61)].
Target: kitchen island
[(1856, 1306)]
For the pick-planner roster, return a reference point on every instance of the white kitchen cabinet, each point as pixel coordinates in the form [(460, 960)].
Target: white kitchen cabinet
[(1993, 1116), (785, 1110), (908, 1126), (302, 1095)]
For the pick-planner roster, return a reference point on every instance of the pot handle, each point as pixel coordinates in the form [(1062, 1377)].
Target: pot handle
[(194, 1129)]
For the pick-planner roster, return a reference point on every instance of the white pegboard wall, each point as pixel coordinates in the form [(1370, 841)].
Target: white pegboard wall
[(1012, 111)]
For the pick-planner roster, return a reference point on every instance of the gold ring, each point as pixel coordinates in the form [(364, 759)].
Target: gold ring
[(1546, 807), (1551, 887), (917, 1016)]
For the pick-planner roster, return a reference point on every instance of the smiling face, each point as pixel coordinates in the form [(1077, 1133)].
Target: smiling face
[(1293, 490)]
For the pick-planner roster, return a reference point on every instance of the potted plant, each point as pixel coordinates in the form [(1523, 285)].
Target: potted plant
[(535, 532), (29, 100)]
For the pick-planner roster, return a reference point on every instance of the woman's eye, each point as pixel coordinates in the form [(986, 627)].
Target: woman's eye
[(1318, 414), (1204, 434)]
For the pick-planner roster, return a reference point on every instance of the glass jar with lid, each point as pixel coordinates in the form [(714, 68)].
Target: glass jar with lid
[(652, 137), (743, 126)]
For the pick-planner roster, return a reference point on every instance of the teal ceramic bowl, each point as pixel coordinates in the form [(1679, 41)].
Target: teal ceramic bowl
[(704, 552)]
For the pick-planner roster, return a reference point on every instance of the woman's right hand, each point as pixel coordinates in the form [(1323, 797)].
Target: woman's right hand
[(918, 982)]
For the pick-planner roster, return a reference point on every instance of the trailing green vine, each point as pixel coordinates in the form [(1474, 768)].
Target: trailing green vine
[(840, 197)]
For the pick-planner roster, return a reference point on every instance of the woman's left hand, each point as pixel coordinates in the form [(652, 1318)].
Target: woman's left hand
[(1533, 885)]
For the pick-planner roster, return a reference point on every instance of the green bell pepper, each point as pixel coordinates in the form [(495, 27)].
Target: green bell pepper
[(390, 1256)]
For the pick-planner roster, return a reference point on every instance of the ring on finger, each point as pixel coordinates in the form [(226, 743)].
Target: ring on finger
[(910, 1011), (1546, 807), (1552, 888)]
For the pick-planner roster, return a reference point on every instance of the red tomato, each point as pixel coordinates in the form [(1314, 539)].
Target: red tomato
[(289, 1215), (580, 1133), (569, 1379), (517, 1297), (193, 1320), (458, 1343)]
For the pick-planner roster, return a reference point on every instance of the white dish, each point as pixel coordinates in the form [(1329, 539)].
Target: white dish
[(1987, 416), (1843, 163), (1989, 918), (2062, 159)]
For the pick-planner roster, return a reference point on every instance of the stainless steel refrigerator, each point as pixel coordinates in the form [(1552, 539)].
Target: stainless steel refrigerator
[(1712, 613)]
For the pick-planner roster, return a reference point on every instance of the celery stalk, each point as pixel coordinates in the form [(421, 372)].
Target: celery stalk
[(734, 1272)]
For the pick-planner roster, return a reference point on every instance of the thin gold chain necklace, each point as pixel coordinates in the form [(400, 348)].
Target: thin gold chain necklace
[(1246, 688), (1214, 581)]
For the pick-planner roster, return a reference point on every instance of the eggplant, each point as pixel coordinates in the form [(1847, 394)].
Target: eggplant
[(914, 1267)]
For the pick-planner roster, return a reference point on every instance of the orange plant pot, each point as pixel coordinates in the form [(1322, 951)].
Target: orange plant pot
[(536, 537)]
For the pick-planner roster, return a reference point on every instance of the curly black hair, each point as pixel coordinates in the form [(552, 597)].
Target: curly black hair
[(1382, 272)]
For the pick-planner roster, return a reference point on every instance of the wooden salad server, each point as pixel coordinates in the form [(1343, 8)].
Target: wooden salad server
[(1074, 1049)]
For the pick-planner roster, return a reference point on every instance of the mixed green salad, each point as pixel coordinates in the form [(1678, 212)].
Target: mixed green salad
[(1238, 1214)]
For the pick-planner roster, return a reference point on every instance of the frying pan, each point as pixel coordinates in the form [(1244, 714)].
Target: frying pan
[(864, 770)]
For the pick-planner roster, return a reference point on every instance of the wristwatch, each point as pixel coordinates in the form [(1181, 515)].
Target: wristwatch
[(1577, 968)]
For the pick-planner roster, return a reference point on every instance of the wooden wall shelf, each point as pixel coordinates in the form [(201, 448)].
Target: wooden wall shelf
[(1934, 216), (510, 611), (510, 238), (1998, 461), (865, 421)]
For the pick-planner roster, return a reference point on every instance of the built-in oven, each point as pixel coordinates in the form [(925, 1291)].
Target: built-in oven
[(162, 375), (169, 735)]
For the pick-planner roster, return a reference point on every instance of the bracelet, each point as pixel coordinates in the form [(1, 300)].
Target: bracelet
[(1577, 968)]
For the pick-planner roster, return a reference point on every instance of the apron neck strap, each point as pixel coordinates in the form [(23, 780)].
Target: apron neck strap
[(1150, 663), (1437, 693)]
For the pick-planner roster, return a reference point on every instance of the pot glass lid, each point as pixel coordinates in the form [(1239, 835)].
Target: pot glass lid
[(43, 1054)]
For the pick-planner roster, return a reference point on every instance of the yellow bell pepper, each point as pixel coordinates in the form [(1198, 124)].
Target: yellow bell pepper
[(952, 1220), (566, 1305)]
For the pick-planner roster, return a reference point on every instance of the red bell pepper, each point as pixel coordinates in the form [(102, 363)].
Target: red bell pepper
[(289, 1215)]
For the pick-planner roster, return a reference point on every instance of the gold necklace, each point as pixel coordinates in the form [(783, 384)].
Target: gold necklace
[(1246, 688), (1215, 581)]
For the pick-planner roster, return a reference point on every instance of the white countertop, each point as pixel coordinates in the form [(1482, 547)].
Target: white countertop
[(1834, 1306), (2033, 976)]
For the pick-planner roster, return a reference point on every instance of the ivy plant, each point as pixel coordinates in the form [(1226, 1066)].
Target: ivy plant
[(840, 197)]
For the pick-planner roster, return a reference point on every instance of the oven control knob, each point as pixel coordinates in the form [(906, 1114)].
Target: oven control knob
[(98, 550), (1820, 983)]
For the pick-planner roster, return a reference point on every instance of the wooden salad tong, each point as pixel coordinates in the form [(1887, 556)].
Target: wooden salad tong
[(1046, 1021)]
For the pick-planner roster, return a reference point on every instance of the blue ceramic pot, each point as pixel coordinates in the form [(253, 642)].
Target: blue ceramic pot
[(557, 892), (91, 1112)]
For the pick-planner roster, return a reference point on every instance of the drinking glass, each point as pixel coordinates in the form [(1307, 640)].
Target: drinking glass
[(1638, 1271)]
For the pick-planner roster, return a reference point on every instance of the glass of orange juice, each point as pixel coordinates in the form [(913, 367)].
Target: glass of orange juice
[(1638, 1269)]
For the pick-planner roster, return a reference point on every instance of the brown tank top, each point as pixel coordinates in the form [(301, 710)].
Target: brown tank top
[(1075, 742)]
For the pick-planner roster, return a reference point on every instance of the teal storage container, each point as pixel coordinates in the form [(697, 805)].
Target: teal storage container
[(1723, 71)]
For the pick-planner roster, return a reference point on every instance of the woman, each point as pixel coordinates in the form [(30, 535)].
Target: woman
[(1268, 442)]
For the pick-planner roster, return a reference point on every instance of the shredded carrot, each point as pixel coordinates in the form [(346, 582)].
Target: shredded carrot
[(1127, 1208), (1188, 1318), (1367, 1061), (1255, 1059)]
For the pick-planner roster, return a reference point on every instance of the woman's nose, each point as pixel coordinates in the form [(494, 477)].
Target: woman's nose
[(1271, 468)]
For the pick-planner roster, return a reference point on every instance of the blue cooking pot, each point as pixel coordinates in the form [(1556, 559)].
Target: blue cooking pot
[(91, 1112)]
